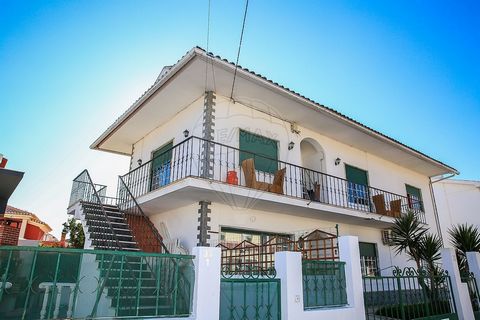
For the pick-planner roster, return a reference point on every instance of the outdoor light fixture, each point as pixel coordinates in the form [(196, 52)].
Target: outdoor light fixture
[(186, 133), (337, 161), (291, 145), (139, 161)]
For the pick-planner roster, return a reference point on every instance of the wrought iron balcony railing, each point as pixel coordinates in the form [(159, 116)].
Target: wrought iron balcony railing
[(200, 158)]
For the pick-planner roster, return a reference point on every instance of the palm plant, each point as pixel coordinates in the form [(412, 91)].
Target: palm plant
[(464, 238), (429, 251), (407, 234)]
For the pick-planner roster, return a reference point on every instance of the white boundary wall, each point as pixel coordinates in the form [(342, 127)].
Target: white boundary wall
[(289, 270), (459, 289)]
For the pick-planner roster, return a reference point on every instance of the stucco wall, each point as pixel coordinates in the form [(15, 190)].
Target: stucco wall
[(230, 117), (190, 118), (457, 202), (182, 224), (382, 174)]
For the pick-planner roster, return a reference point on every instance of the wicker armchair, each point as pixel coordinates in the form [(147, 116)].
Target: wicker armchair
[(248, 167)]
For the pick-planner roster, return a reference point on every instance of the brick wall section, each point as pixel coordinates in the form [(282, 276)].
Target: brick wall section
[(8, 235), (144, 235)]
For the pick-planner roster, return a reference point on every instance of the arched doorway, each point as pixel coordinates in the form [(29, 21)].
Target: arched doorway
[(313, 162)]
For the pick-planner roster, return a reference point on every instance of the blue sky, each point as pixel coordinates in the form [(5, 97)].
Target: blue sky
[(68, 68)]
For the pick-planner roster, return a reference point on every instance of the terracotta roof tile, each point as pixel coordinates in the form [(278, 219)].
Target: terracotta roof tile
[(16, 211)]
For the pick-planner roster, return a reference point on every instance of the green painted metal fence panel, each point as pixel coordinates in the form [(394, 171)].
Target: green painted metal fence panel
[(324, 284), (53, 283), (250, 299), (409, 294)]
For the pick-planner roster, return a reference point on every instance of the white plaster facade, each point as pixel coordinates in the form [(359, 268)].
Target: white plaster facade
[(458, 202), (175, 103)]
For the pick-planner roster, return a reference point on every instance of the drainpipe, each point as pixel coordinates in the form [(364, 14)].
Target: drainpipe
[(434, 202)]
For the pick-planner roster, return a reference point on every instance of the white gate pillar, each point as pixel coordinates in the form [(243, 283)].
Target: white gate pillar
[(350, 253), (473, 259), (289, 269), (206, 296), (459, 289)]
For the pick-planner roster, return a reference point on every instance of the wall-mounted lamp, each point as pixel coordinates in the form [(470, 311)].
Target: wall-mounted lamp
[(139, 161), (186, 133), (291, 145), (337, 161)]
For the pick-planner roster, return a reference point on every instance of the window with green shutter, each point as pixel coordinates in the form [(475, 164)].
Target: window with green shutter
[(160, 168), (357, 185), (414, 196), (264, 151)]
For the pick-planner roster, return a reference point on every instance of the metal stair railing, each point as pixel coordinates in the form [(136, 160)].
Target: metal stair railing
[(84, 185), (129, 206)]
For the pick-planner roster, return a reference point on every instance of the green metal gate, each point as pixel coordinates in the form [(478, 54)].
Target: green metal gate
[(250, 296), (409, 294)]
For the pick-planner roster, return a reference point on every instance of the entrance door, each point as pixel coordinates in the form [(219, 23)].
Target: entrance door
[(161, 165)]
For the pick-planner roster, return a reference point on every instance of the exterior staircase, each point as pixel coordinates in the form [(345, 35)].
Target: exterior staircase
[(99, 233), (135, 283)]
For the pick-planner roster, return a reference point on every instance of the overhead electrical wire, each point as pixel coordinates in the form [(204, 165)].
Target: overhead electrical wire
[(239, 48), (208, 39)]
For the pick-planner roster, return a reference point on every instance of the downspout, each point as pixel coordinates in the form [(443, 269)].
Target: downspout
[(434, 202)]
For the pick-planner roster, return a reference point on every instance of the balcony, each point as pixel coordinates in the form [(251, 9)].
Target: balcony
[(229, 166)]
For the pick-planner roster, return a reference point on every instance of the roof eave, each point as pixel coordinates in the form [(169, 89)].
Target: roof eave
[(321, 108), (96, 145), (270, 84)]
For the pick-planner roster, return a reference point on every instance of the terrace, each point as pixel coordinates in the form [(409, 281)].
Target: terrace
[(235, 173)]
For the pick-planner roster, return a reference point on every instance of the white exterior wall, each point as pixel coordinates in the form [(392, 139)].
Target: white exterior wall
[(182, 224), (457, 202), (229, 119), (382, 174), (189, 118)]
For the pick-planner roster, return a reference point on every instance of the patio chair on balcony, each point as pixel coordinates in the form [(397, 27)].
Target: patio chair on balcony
[(248, 167), (278, 178), (396, 208), (379, 202), (380, 207)]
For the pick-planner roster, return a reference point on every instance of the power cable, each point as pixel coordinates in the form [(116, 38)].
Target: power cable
[(239, 48), (208, 39)]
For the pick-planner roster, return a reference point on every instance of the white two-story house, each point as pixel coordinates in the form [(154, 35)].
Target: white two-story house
[(212, 165)]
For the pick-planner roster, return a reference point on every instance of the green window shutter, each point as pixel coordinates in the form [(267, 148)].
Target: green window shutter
[(355, 175), (367, 249), (263, 150), (160, 167), (161, 156), (414, 196), (414, 192)]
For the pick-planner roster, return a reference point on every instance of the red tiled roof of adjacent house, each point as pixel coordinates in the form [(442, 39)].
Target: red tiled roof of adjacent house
[(33, 217)]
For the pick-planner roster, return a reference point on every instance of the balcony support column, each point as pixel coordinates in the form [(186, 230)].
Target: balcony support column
[(208, 134), (203, 226)]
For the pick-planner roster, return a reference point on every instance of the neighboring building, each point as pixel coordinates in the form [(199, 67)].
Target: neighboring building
[(458, 202), (9, 180), (29, 229), (267, 164)]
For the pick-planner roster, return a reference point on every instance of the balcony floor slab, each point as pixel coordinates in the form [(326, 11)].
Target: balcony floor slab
[(191, 189)]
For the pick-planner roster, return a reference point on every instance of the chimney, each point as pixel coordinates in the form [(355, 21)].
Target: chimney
[(3, 161)]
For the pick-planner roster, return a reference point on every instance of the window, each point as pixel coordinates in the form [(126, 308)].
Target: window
[(357, 185), (263, 150), (414, 196), (368, 259), (161, 165)]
